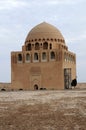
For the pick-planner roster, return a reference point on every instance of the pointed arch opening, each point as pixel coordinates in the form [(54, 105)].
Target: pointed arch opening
[(36, 57), (45, 45), (50, 46), (28, 47), (27, 57), (37, 46), (36, 87), (52, 55), (19, 57), (44, 56)]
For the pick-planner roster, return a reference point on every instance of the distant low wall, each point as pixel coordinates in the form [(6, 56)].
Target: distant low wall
[(7, 86), (81, 85)]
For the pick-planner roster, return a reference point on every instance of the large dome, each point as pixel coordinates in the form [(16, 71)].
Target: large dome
[(44, 31)]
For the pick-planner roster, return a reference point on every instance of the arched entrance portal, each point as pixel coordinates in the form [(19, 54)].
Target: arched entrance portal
[(36, 87)]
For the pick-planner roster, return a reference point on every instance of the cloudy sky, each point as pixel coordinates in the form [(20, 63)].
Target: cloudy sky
[(17, 17)]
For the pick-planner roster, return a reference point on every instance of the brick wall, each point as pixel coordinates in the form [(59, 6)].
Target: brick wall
[(6, 86)]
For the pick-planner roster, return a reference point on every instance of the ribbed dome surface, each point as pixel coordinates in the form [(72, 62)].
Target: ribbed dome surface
[(44, 30)]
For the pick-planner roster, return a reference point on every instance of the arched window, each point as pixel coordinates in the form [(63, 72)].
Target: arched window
[(52, 55), (45, 45), (36, 46), (27, 57), (19, 57), (50, 46), (44, 57), (36, 57), (28, 48)]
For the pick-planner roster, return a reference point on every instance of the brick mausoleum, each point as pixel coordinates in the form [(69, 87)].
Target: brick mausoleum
[(44, 61)]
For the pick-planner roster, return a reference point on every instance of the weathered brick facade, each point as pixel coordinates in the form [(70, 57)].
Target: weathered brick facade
[(44, 62)]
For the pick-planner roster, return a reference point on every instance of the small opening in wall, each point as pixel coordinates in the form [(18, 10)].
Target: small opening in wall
[(42, 88), (3, 89), (35, 39), (36, 87), (50, 46), (39, 39), (36, 56), (19, 57), (20, 89), (43, 39)]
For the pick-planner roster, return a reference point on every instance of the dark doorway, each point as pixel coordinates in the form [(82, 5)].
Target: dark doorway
[(35, 87), (67, 78)]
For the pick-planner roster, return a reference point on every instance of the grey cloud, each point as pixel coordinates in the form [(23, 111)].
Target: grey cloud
[(10, 4)]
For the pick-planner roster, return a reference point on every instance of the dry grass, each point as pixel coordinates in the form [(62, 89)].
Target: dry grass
[(43, 110)]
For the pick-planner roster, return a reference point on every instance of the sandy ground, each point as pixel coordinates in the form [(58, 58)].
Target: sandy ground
[(43, 110)]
